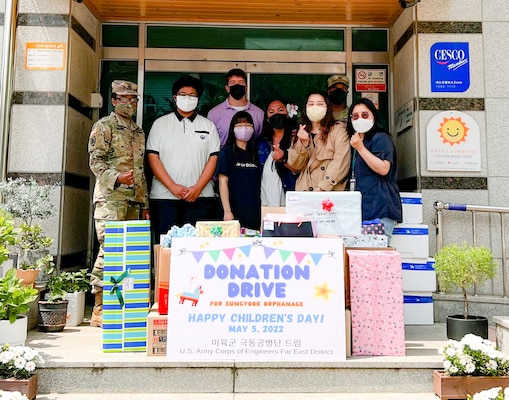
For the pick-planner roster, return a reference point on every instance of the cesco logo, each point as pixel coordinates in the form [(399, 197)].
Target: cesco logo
[(444, 56)]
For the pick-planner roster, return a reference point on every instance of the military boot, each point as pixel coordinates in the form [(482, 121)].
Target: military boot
[(97, 313)]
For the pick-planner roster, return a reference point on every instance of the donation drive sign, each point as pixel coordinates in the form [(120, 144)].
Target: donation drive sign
[(256, 299)]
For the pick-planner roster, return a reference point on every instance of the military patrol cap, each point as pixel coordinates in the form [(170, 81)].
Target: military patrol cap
[(338, 79), (123, 88)]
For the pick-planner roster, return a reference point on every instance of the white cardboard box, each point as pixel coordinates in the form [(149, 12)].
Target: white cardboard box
[(419, 275), (335, 213), (418, 308), (411, 240), (412, 207)]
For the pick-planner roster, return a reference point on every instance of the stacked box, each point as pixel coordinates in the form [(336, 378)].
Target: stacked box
[(126, 295), (376, 303), (335, 213), (412, 207), (411, 240), (418, 307), (163, 279), (419, 275), (157, 332), (218, 228)]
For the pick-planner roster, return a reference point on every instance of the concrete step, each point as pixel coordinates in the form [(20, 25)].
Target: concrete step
[(76, 366), (238, 396)]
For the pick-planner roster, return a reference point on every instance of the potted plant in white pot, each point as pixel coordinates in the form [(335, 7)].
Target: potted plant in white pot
[(27, 201), (15, 299), (462, 267)]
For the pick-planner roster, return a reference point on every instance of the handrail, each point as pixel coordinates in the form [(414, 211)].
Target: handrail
[(474, 209)]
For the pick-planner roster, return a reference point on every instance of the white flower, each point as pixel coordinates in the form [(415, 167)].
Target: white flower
[(447, 364), (453, 370), (469, 368), (291, 109), (450, 352), (30, 366), (4, 395), (19, 362)]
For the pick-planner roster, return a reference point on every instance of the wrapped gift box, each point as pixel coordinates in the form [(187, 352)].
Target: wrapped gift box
[(376, 303), (163, 279), (365, 241), (419, 275), (218, 228), (418, 307), (335, 213), (412, 207), (126, 295), (411, 240)]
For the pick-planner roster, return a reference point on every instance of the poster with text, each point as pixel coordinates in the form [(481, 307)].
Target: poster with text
[(450, 67), (256, 299), (453, 142)]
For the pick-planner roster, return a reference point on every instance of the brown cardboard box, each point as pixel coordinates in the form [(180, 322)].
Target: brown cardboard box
[(163, 279), (155, 256), (229, 228), (348, 329), (157, 333), (272, 210)]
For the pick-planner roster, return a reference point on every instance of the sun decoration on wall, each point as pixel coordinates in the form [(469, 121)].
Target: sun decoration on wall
[(453, 131)]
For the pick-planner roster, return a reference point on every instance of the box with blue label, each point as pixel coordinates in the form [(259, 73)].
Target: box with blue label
[(418, 308), (126, 295), (335, 213), (419, 275), (412, 207), (411, 240)]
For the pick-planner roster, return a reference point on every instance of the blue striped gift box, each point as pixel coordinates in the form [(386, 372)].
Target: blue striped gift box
[(127, 261)]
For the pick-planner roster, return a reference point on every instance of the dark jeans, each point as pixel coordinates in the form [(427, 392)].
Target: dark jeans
[(166, 213)]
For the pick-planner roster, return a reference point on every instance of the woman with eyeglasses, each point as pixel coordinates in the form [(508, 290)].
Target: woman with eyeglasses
[(322, 152), (277, 177), (374, 166), (237, 172)]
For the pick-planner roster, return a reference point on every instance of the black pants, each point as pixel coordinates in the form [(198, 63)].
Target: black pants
[(166, 213)]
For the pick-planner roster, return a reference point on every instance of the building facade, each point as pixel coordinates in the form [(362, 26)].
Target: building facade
[(56, 54)]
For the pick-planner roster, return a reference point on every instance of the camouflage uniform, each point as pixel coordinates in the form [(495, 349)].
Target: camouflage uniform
[(115, 146)]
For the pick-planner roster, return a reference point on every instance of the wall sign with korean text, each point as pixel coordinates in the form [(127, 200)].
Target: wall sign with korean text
[(256, 299), (450, 67)]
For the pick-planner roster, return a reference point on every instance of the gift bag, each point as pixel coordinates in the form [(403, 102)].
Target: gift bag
[(287, 225)]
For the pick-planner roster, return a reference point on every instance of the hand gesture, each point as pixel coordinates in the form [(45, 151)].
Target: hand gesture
[(303, 135), (278, 154), (356, 141)]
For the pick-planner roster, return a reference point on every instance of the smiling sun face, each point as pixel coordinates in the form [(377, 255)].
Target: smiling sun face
[(453, 131)]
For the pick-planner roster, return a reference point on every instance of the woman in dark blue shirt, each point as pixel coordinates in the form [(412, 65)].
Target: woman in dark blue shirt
[(374, 164)]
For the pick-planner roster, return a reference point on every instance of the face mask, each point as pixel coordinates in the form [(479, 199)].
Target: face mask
[(316, 113), (337, 96), (243, 133), (186, 103), (237, 91), (125, 110), (363, 125), (277, 121)]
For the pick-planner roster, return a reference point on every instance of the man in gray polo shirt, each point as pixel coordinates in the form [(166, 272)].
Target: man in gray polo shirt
[(182, 150)]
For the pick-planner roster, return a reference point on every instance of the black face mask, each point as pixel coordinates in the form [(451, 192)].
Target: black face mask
[(237, 91), (337, 97), (277, 121)]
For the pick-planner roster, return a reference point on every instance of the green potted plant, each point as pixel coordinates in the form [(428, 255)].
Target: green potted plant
[(65, 291), (8, 235), (461, 267), (15, 299), (26, 200)]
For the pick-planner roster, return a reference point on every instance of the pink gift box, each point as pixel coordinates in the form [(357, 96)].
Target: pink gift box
[(376, 302)]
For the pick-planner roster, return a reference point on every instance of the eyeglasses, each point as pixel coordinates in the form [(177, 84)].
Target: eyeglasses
[(127, 100), (242, 124), (187, 95), (363, 115)]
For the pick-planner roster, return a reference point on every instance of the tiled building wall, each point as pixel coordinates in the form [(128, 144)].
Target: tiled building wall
[(51, 117), (484, 24)]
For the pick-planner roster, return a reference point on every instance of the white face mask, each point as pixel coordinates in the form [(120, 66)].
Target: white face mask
[(316, 113), (363, 125), (186, 103), (243, 133)]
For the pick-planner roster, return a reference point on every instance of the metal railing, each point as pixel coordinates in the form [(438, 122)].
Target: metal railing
[(474, 210)]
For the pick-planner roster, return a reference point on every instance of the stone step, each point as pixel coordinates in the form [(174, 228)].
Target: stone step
[(76, 365), (238, 396)]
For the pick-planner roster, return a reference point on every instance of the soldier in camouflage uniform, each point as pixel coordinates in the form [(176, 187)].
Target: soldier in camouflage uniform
[(116, 149), (337, 92)]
